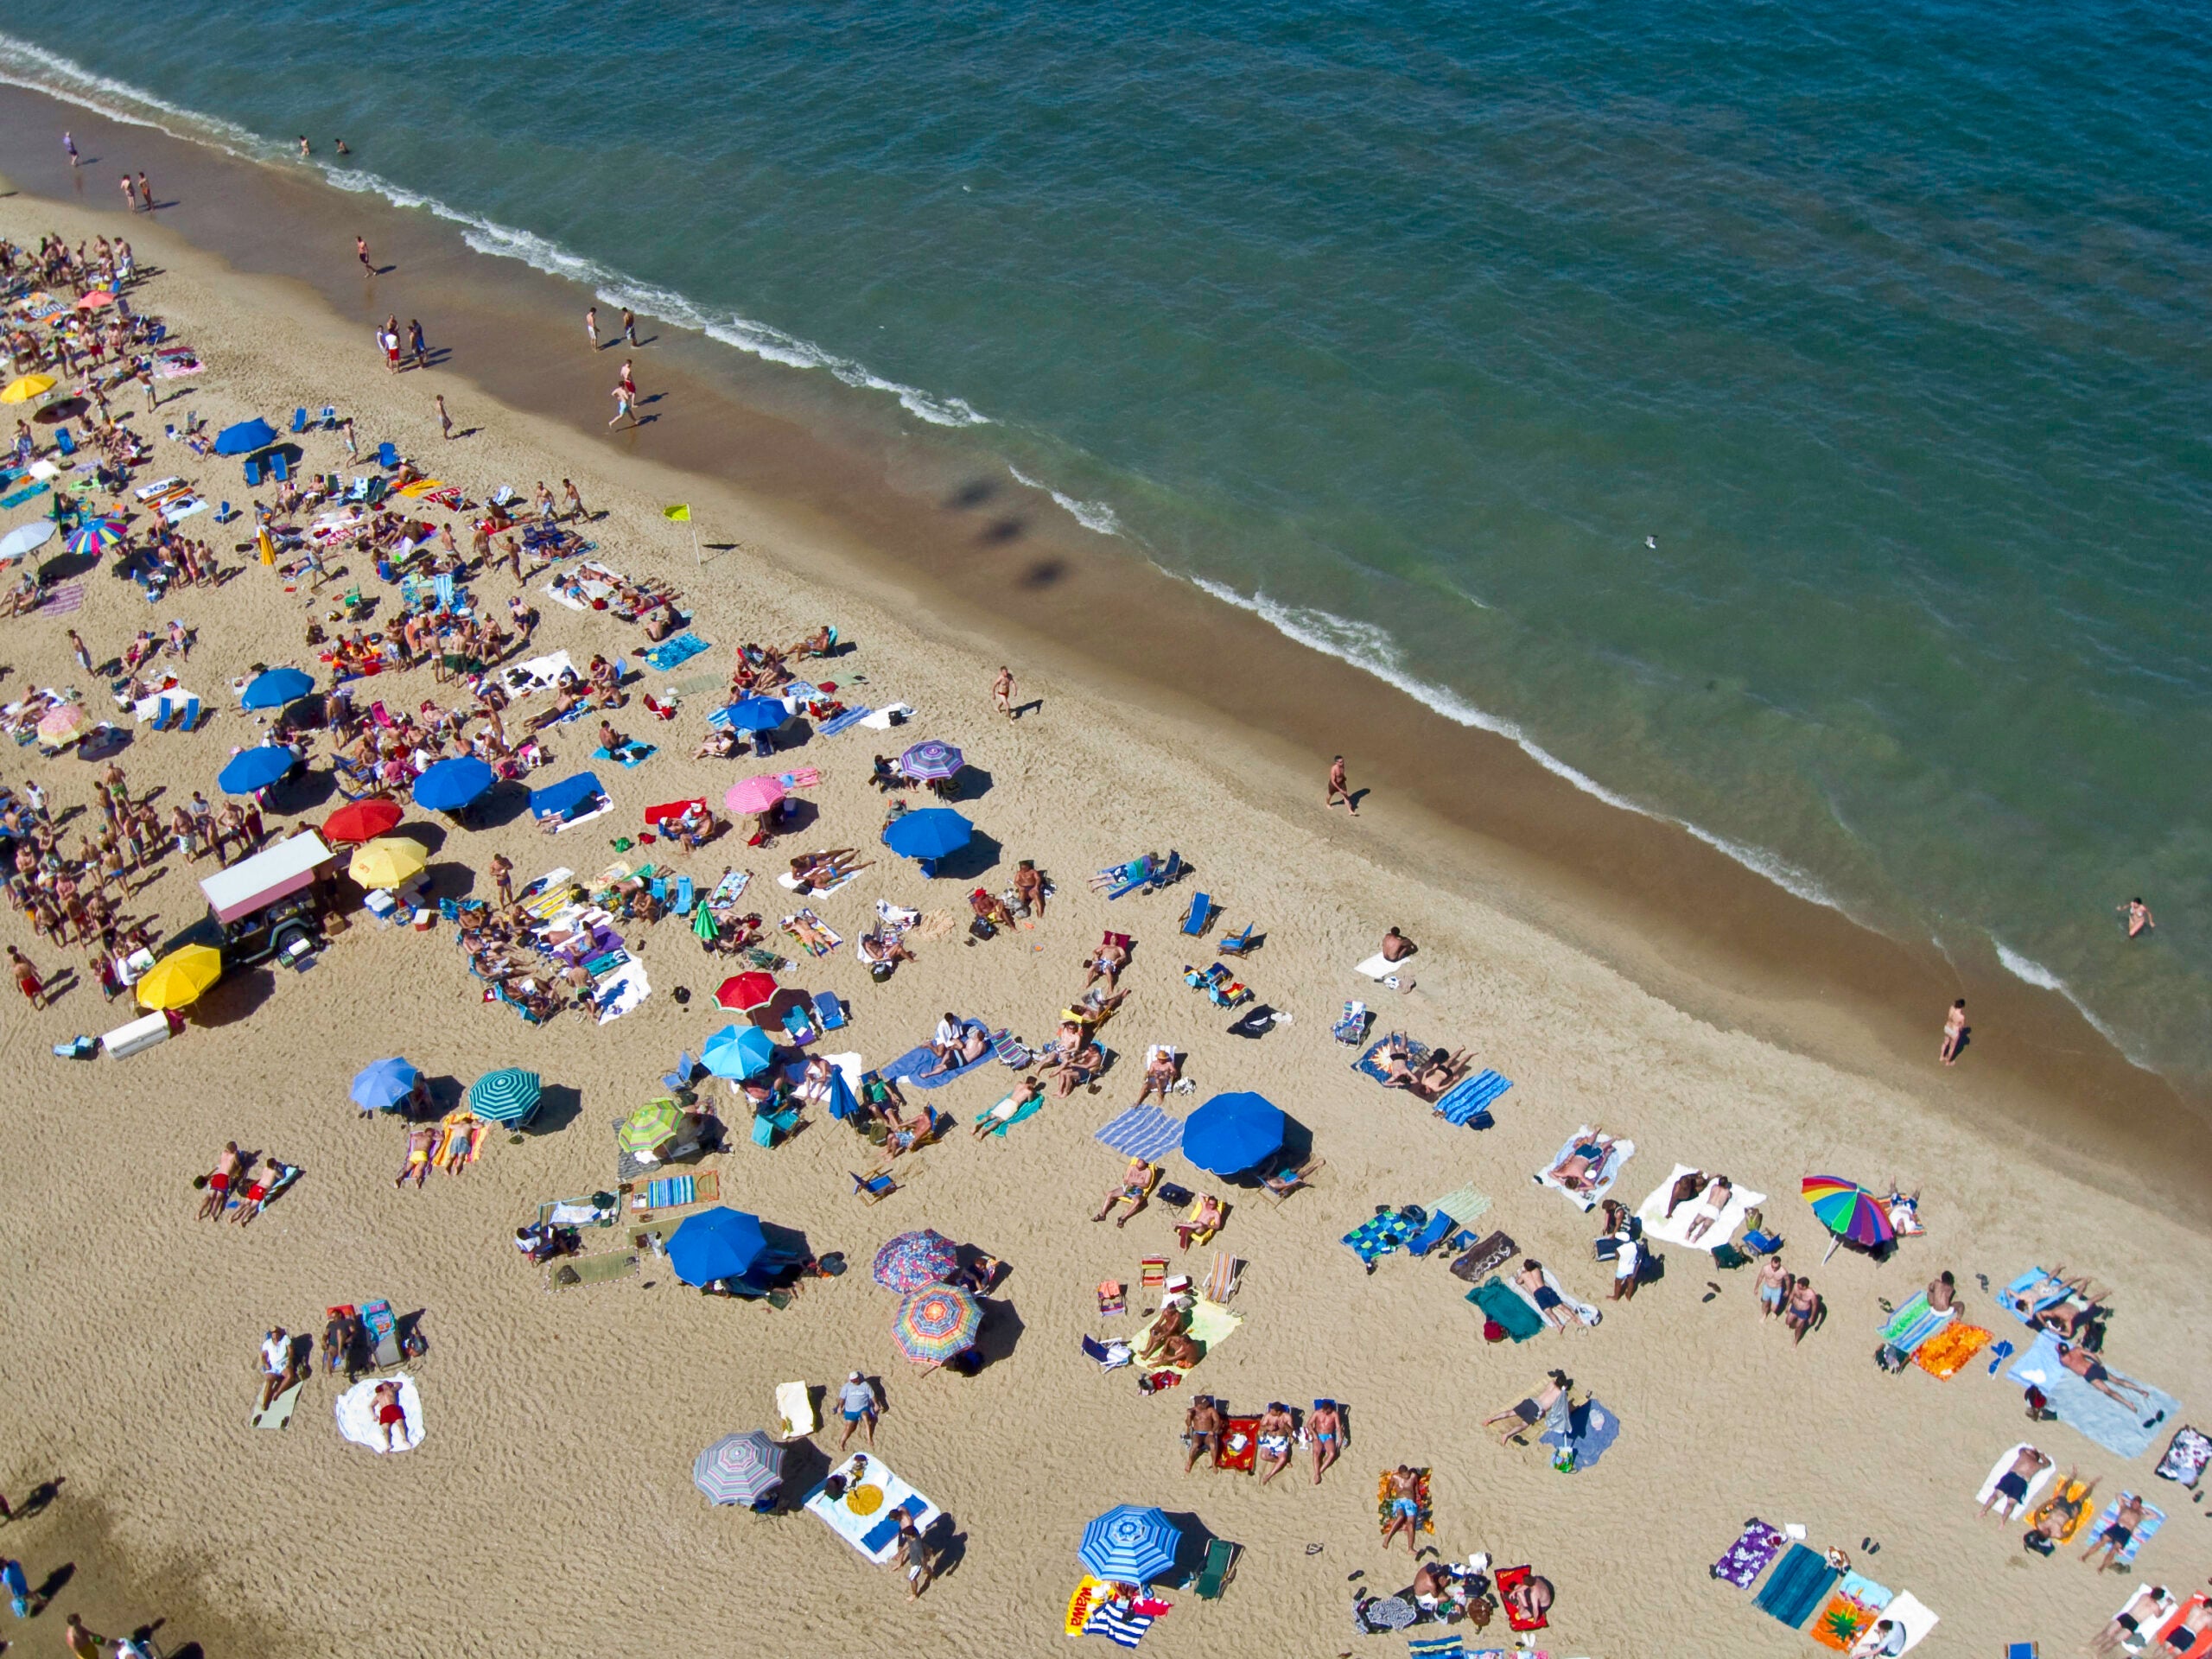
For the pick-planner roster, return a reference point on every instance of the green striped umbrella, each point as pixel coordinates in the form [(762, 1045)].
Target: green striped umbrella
[(509, 1096), (649, 1125)]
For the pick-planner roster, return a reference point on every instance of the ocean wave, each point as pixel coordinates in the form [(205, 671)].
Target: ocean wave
[(32, 66), (2028, 969), (1371, 649), (1095, 515)]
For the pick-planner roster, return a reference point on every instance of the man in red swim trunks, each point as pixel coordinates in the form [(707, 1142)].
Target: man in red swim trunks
[(257, 1189), (390, 1416), (218, 1183)]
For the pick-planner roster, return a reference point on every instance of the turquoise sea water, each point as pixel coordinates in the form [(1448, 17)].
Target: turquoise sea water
[(1791, 422)]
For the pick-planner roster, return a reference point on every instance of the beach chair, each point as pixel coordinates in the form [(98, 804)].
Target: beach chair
[(63, 442), (329, 417), (387, 456), (224, 513), (829, 1011), (380, 1328), (1202, 1234), (298, 420), (1439, 1229), (798, 1026), (1236, 944), (1110, 1356), (1762, 1243), (1220, 1568), (1293, 1180), (252, 474), (1200, 915), (872, 1189), (685, 894), (1224, 1279), (279, 468), (768, 1127), (1352, 1029)]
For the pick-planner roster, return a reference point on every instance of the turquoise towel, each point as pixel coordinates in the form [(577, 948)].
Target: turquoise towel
[(1500, 1301), (1801, 1584)]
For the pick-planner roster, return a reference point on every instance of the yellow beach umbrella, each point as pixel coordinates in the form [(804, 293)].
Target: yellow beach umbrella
[(30, 386), (180, 980), (388, 861)]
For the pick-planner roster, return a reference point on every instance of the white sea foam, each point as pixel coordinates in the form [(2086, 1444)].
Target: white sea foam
[(1372, 649), (2028, 969), (23, 64), (1094, 516)]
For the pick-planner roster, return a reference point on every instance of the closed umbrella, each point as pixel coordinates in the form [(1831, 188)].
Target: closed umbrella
[(1849, 1211), (738, 1469), (933, 832), (27, 538), (507, 1096), (1131, 1544), (383, 1085), (702, 925), (755, 715), (912, 1260), (388, 861), (931, 760), (179, 980), (361, 821), (95, 536), (935, 1323), (29, 388), (717, 1244), (246, 437), (1231, 1132), (451, 784), (651, 1125), (753, 794), (743, 991), (738, 1052), (256, 768), (276, 688)]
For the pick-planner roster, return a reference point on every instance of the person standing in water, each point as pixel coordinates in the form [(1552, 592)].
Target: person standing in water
[(2138, 917), (69, 147), (145, 195), (629, 326), (1955, 1032)]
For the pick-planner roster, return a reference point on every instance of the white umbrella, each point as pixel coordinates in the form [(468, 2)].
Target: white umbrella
[(24, 538)]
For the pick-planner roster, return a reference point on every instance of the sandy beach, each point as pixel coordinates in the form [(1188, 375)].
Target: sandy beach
[(550, 1506)]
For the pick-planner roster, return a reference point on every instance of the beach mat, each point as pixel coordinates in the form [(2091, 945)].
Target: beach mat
[(1609, 1171), (591, 1270), (1467, 1102), (682, 649), (280, 1410), (1742, 1562), (1946, 1354), (1592, 1428), (2152, 1520), (1797, 1587), (1378, 1235), (2127, 1432), (1913, 1323), (1143, 1132), (1674, 1230), (2186, 1455), (1464, 1205), (1851, 1609), (1501, 1302)]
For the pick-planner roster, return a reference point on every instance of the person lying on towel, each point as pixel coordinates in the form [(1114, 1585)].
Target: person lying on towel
[(1578, 1172)]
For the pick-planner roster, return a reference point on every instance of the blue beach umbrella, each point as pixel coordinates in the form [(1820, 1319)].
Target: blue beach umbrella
[(738, 1052), (717, 1244), (1231, 1132), (256, 768), (756, 714), (1131, 1544), (246, 437), (558, 800), (276, 688), (931, 760), (507, 1096), (738, 1469), (381, 1085), (451, 784), (930, 833)]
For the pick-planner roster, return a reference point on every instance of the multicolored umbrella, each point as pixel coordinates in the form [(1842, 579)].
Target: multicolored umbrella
[(362, 821), (508, 1096), (738, 1469), (743, 991), (1131, 1544), (179, 980), (62, 720), (94, 537), (912, 1260), (931, 758), (750, 795), (381, 1085), (1848, 1210), (935, 1323), (649, 1126)]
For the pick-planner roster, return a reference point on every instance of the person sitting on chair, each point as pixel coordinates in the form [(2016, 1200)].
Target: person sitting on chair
[(1207, 1220), (1135, 1190)]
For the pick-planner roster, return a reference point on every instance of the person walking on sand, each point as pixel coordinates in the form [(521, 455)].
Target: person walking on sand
[(913, 1555), (591, 326), (629, 380), (622, 408), (575, 501), (2138, 917), (1339, 789), (361, 248), (27, 979), (352, 444), (1955, 1032), (629, 326), (78, 649), (82, 1643), (857, 1401), (416, 344), (1002, 692), (445, 421), (69, 147)]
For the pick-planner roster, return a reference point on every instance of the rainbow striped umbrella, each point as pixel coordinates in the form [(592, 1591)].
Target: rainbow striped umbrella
[(96, 535), (1848, 1210), (935, 1323)]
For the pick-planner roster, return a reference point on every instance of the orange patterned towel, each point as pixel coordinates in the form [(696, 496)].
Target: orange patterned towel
[(1949, 1349)]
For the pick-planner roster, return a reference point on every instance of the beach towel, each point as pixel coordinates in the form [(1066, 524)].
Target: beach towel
[(1582, 1311), (1608, 1173), (812, 935), (1028, 1108), (2117, 1428), (1508, 1308), (1239, 1445), (1464, 1205), (682, 649), (917, 1065), (1210, 1325), (2153, 1518), (1466, 1104), (1143, 1132), (1592, 1428), (729, 889), (795, 1408), (537, 674), (1379, 967), (278, 1412), (2199, 1649), (1742, 1562), (1436, 1647), (591, 1270), (1913, 1323), (2186, 1455), (356, 1415), (1513, 1578), (62, 599), (1483, 1256), (1851, 1609), (844, 722), (1371, 1061), (30, 493), (1378, 1235), (1946, 1353), (1424, 1500), (884, 718), (1675, 1229), (818, 888), (1797, 1587), (866, 1516), (1906, 1610), (1997, 1473), (1123, 1628), (630, 754)]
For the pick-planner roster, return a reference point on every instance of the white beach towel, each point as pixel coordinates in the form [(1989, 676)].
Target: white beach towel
[(795, 1405), (160, 487), (538, 674), (1657, 1224), (1379, 968), (881, 720), (630, 986), (848, 1066), (356, 1415), (1582, 1311), (1997, 1473), (787, 879), (1621, 1153), (1906, 1609), (889, 1493)]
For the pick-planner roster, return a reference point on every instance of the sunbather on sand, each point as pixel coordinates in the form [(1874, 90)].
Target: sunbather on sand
[(392, 1417), (263, 1182), (1174, 1319), (2060, 1513), (1207, 1220), (2145, 1612), (1578, 1171), (1405, 1508), (1276, 1428), (2012, 1489), (1106, 963), (875, 950), (278, 1370), (1687, 1186), (2087, 1366), (1032, 1087), (1530, 1600), (2119, 1532), (1717, 1191), (420, 1142), (1201, 1430), (1549, 1303), (1163, 1066), (974, 1043), (1134, 1190), (1325, 1428), (227, 1169), (1525, 1414)]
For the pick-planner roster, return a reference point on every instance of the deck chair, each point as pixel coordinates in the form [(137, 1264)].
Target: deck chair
[(1236, 944), (329, 416), (224, 513), (1225, 1279), (381, 1330), (1110, 1356), (1202, 1234), (387, 456), (63, 442), (1439, 1229), (298, 420), (1221, 1567), (279, 468), (252, 474), (872, 1189), (1168, 873), (685, 893), (798, 1026), (769, 1126), (1200, 915), (1352, 1029), (1293, 1179), (829, 1011)]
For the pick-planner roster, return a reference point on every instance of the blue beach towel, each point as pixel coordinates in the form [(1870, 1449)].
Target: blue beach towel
[(917, 1065), (21, 496), (1592, 1428), (1378, 1235), (1371, 1063), (2116, 1428), (682, 649), (1143, 1132), (844, 722), (630, 754), (1468, 1101), (1797, 1587), (887, 1529)]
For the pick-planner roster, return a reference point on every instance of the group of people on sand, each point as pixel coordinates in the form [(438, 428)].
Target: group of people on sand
[(1276, 1436), (229, 1177)]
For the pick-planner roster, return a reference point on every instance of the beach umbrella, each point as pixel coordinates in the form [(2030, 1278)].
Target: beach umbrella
[(935, 1323), (648, 1127), (753, 794), (507, 1096), (276, 688), (246, 437), (702, 925), (912, 1260), (743, 991), (738, 1469), (717, 1244), (28, 387), (755, 715), (256, 768), (95, 536), (1131, 1544), (388, 861), (361, 821), (27, 538), (930, 759), (734, 1052), (62, 720), (451, 784), (96, 299), (178, 980), (381, 1085), (930, 833), (1231, 1132), (1849, 1211)]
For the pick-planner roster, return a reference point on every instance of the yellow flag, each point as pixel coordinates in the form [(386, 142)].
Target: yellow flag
[(680, 514)]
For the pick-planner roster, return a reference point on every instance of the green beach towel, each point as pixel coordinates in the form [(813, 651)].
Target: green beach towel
[(592, 1270), (1500, 1301), (1028, 1108)]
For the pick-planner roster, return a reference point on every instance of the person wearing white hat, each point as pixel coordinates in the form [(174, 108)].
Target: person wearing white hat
[(858, 1401)]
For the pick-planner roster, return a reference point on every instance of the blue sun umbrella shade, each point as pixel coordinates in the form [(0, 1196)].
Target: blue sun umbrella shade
[(738, 1052), (756, 714), (718, 1244), (508, 1096), (451, 784), (1133, 1545), (561, 799), (255, 768), (1231, 1134), (384, 1084), (276, 688), (246, 437), (930, 833)]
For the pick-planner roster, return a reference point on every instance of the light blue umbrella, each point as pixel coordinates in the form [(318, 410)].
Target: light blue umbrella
[(246, 437), (738, 1052), (255, 768), (756, 714), (1231, 1132), (381, 1085), (930, 833), (1129, 1544), (276, 688), (451, 784)]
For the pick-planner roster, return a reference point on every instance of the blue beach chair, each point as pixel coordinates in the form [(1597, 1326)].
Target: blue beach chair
[(252, 474), (387, 456), (298, 420), (1200, 915)]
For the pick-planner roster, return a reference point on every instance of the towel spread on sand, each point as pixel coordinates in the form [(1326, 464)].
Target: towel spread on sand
[(1143, 1132), (1742, 1562), (1851, 1609), (1608, 1173), (1798, 1586), (1508, 1308), (2124, 1429), (2186, 1455), (2145, 1529), (1468, 1101), (1913, 1323), (1945, 1354), (1997, 1473), (1675, 1229), (356, 1415), (1592, 1428)]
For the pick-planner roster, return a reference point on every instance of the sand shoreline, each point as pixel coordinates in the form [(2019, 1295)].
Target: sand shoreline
[(562, 1426)]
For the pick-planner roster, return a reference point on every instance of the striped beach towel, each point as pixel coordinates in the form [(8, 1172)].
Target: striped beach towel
[(62, 600), (1436, 1647), (1469, 1099), (2152, 1520), (671, 1190), (1143, 1132), (1125, 1629)]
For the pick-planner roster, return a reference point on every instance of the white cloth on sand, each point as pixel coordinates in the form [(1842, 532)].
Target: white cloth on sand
[(1675, 1230), (1997, 1473), (357, 1413), (1620, 1154)]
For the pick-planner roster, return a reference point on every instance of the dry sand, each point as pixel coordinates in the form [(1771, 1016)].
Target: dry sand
[(550, 1507)]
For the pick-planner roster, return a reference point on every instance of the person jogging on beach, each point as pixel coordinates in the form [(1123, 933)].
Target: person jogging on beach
[(361, 247), (622, 407), (1339, 788)]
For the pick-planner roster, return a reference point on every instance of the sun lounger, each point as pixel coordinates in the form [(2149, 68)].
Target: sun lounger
[(382, 1328), (872, 1189), (1293, 1179), (1199, 915), (1674, 1230), (1111, 1355), (1223, 1280), (1352, 1028), (1220, 1568)]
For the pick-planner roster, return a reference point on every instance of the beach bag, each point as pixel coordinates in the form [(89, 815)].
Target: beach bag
[(879, 971), (978, 928)]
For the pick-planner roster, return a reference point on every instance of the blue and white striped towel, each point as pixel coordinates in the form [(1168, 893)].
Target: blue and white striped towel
[(1125, 1628), (1471, 1098), (1143, 1132)]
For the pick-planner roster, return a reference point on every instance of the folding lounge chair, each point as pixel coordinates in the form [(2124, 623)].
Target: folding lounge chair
[(279, 468), (1220, 1568), (1352, 1029), (1236, 944), (798, 1026), (829, 1011), (684, 893), (252, 474), (387, 456), (329, 415), (1200, 916), (1296, 1179), (872, 1189), (298, 420), (63, 442), (1110, 1357)]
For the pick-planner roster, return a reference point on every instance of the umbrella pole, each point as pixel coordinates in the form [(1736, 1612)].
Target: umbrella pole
[(1834, 1239)]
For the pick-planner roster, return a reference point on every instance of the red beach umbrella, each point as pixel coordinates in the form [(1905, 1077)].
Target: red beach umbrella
[(747, 991), (360, 821)]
